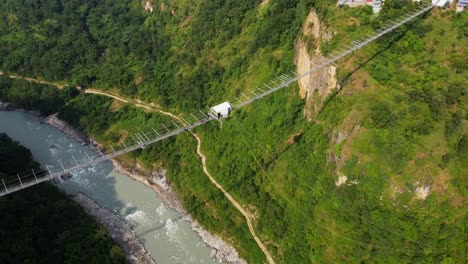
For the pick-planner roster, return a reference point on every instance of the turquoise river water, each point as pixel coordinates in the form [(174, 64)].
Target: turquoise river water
[(168, 240)]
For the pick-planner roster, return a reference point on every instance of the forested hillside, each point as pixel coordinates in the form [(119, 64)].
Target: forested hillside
[(185, 54), (42, 225), (378, 175)]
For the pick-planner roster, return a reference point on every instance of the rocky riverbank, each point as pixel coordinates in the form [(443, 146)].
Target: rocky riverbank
[(54, 121), (221, 250), (4, 106), (119, 230)]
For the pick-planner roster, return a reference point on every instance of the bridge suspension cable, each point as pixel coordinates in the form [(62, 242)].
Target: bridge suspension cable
[(140, 140)]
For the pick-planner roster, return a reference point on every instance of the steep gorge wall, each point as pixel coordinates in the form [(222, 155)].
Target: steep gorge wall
[(318, 85)]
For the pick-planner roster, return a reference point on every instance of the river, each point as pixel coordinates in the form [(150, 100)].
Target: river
[(168, 239)]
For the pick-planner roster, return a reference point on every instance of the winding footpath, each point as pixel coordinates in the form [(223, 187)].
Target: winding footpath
[(247, 215), (14, 76)]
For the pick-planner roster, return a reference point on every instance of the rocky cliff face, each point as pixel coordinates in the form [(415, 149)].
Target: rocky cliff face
[(318, 85)]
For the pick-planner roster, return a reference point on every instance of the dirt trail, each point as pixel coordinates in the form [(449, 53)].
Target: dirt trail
[(248, 217), (14, 76), (92, 91), (134, 102)]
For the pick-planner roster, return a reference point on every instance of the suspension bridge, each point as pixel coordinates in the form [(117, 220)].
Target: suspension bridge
[(140, 140)]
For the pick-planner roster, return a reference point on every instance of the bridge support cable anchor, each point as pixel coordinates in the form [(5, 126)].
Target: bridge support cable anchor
[(344, 50), (366, 37), (410, 15), (143, 135), (134, 139), (138, 138), (4, 185), (35, 177), (156, 132), (389, 25), (285, 77), (239, 100), (100, 152), (248, 98), (88, 156), (141, 138), (290, 76), (338, 56), (294, 74), (112, 148), (166, 128), (327, 61), (178, 127), (263, 91), (76, 162), (341, 50), (50, 172), (146, 136), (253, 93), (283, 80), (278, 79), (204, 113), (347, 46), (194, 117), (380, 30), (19, 178), (273, 83), (61, 165), (185, 121), (394, 22)]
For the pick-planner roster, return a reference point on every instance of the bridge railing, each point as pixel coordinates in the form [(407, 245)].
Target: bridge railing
[(141, 139), (282, 81), (137, 140)]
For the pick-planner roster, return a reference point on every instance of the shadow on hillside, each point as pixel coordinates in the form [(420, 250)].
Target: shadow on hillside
[(347, 77)]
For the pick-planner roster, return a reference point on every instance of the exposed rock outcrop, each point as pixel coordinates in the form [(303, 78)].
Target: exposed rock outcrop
[(157, 180), (148, 6), (422, 190), (318, 85), (54, 121), (4, 106), (120, 231)]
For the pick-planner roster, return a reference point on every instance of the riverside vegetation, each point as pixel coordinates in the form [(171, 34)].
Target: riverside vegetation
[(43, 225), (402, 105)]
